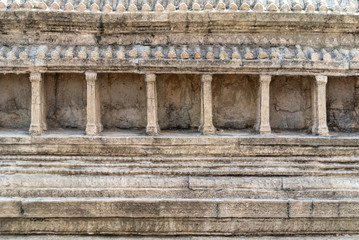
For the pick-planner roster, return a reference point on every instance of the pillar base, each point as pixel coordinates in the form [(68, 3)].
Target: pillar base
[(100, 127), (208, 130), (35, 130), (322, 131), (200, 128), (264, 130), (313, 130), (152, 130), (310, 130), (92, 129)]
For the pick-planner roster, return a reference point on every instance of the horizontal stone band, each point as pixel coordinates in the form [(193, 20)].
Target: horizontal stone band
[(201, 5)]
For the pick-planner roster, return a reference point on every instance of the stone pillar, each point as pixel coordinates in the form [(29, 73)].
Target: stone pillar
[(38, 112), (320, 116), (313, 128), (43, 106), (93, 126), (356, 97), (262, 123), (152, 118), (98, 107), (206, 126)]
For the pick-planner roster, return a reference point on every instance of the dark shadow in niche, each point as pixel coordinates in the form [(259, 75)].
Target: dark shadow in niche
[(290, 102), (123, 100), (15, 101), (343, 104), (66, 100), (234, 101), (179, 101)]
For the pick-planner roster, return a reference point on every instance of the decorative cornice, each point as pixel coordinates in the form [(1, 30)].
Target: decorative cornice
[(183, 58), (265, 79), (35, 77), (321, 80), (91, 77), (122, 6), (180, 52), (150, 77), (178, 21), (206, 78)]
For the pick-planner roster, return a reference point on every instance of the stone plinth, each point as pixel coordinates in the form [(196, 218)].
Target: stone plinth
[(136, 118)]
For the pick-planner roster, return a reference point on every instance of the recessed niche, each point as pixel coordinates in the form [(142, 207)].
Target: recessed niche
[(123, 100), (65, 100), (179, 101), (290, 102), (15, 101), (234, 101), (343, 103)]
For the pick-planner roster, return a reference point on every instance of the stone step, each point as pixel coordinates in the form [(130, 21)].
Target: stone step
[(194, 166), (191, 182), (179, 186), (143, 216), (192, 145), (142, 186), (76, 237), (175, 193)]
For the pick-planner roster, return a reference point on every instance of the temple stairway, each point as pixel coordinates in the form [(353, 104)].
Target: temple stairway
[(179, 183)]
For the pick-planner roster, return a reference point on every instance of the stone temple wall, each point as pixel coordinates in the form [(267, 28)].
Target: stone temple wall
[(15, 101), (123, 101), (234, 101), (342, 104), (290, 106), (66, 100), (116, 117), (179, 101)]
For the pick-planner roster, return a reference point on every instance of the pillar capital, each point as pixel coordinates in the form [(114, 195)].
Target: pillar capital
[(93, 126), (320, 79), (319, 115), (206, 127), (262, 122), (152, 127), (35, 77), (206, 78), (38, 112), (91, 76), (265, 78), (150, 77)]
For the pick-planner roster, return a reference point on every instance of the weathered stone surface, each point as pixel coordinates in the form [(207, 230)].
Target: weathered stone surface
[(234, 101), (123, 100), (234, 105), (174, 226), (253, 209), (15, 101), (185, 144), (65, 100), (179, 101), (342, 101), (179, 65), (235, 182), (96, 182), (74, 237), (89, 200), (309, 6), (290, 103), (9, 207)]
